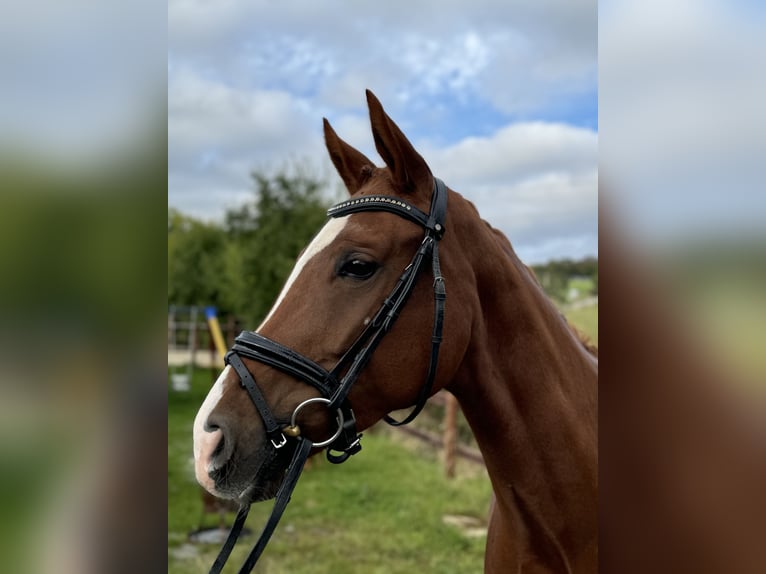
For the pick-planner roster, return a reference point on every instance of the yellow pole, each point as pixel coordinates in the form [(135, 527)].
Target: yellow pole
[(215, 331)]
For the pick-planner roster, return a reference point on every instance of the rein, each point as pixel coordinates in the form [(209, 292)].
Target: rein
[(335, 385)]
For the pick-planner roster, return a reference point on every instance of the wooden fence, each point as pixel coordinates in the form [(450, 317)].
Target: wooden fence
[(446, 438)]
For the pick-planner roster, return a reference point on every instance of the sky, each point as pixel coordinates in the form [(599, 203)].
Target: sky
[(682, 91), (503, 99), (500, 97)]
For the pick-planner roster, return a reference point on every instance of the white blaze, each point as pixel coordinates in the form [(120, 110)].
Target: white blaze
[(205, 441), (325, 236)]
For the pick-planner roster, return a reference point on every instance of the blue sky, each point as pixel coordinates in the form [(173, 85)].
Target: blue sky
[(500, 98)]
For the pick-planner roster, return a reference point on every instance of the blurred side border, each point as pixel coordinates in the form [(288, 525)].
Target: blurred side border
[(83, 205)]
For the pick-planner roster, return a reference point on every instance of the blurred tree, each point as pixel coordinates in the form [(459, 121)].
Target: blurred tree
[(555, 275), (266, 237), (553, 280), (195, 261)]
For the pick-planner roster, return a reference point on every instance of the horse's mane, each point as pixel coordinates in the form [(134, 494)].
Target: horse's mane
[(505, 245)]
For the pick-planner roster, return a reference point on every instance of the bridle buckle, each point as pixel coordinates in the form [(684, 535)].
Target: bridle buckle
[(279, 443)]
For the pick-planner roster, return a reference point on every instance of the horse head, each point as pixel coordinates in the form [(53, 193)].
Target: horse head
[(337, 286)]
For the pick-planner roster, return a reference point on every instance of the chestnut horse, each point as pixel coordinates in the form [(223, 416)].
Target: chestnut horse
[(526, 383)]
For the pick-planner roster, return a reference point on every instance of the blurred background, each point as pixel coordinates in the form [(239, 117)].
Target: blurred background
[(82, 295), (681, 164), (682, 386)]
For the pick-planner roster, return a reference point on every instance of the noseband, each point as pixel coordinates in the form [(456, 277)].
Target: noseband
[(334, 385)]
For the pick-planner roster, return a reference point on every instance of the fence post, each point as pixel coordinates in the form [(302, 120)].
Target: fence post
[(193, 336), (450, 434)]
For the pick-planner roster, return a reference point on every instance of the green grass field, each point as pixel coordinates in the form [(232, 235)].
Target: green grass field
[(584, 285)]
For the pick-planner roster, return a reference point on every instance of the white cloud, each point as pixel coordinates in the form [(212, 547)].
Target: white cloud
[(218, 134), (518, 55), (520, 151), (533, 181), (206, 113), (249, 82), (438, 66)]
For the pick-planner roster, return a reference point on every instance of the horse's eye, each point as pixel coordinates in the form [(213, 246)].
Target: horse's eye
[(358, 269)]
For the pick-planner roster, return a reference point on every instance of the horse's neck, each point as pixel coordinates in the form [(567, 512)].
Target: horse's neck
[(529, 391)]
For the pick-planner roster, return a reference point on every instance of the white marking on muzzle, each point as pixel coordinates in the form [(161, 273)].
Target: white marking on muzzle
[(206, 441), (324, 238)]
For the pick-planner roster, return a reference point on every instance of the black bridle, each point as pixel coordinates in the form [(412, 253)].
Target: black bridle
[(334, 385)]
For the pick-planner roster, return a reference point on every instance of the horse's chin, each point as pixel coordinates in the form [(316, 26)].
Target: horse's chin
[(233, 482), (261, 491), (256, 490)]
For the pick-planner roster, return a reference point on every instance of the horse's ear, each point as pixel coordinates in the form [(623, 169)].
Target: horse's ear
[(352, 165), (410, 171)]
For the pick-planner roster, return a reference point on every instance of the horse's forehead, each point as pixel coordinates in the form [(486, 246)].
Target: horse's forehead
[(381, 183), (324, 238)]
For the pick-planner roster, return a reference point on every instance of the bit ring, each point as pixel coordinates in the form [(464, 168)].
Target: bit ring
[(339, 419)]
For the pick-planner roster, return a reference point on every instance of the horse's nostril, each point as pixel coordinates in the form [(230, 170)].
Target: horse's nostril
[(220, 442), (219, 447)]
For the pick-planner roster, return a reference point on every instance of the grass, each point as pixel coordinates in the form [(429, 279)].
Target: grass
[(379, 512), (583, 284)]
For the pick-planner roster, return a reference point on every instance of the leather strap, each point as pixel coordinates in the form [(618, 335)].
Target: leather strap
[(280, 504), (379, 326), (273, 430), (256, 346), (384, 319), (231, 539), (379, 203), (440, 296)]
